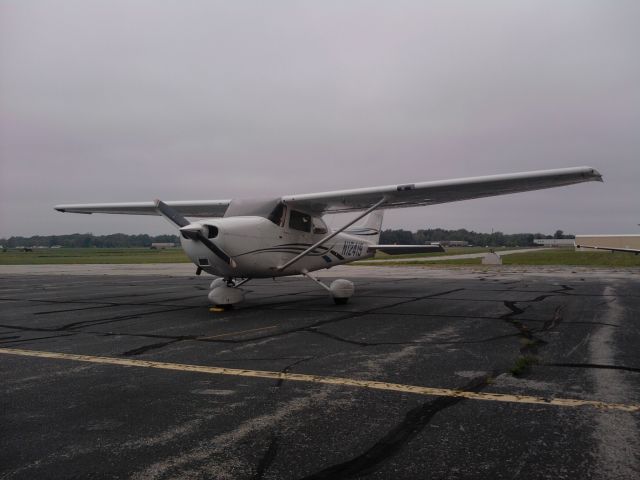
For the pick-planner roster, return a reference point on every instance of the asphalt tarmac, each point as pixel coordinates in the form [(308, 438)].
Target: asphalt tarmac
[(133, 377)]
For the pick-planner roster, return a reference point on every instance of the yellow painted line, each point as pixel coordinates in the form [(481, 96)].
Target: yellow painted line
[(238, 333), (346, 382)]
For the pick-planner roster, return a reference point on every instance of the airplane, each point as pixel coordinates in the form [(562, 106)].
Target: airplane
[(241, 239)]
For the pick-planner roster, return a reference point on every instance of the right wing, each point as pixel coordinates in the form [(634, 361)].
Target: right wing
[(441, 191), (188, 208)]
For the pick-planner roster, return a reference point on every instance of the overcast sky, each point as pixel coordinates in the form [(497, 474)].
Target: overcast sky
[(105, 101)]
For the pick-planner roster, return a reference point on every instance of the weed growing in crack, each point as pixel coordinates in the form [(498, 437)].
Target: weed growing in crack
[(523, 365)]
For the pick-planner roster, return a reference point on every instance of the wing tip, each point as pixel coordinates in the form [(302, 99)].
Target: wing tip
[(593, 174)]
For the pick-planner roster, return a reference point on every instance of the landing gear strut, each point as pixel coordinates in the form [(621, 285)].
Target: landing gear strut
[(341, 290)]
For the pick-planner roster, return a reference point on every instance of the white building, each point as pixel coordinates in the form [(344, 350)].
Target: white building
[(554, 242)]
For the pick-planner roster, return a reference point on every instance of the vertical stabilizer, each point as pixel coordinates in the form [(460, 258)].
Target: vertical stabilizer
[(370, 228)]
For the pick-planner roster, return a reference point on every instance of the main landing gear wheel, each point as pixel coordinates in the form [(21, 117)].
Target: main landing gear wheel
[(341, 291)]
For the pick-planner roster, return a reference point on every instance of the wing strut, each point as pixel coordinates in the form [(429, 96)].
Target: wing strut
[(329, 237)]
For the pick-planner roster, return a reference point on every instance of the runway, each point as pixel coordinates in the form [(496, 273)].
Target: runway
[(131, 376)]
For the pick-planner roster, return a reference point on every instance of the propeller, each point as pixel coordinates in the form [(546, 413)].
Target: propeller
[(193, 232)]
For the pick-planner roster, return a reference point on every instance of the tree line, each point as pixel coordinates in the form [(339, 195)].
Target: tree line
[(86, 240), (400, 237), (494, 239)]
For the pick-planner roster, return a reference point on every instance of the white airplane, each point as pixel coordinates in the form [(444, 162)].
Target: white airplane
[(240, 239)]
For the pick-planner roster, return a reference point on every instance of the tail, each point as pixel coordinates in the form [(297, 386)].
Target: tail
[(370, 228)]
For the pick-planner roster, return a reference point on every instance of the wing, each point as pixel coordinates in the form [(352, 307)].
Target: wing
[(430, 193), (611, 249), (397, 196), (196, 208)]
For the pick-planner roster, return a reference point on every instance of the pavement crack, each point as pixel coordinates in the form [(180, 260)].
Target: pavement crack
[(515, 310), (87, 323), (395, 439), (12, 337), (26, 340), (267, 459), (351, 342), (554, 321), (146, 348), (593, 365), (349, 316), (289, 367), (564, 288), (67, 310)]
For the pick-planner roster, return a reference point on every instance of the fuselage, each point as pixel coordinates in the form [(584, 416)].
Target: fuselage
[(259, 246)]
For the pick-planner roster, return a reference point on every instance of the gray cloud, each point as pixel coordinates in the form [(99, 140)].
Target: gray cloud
[(128, 101)]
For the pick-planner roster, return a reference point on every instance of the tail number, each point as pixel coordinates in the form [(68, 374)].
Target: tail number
[(352, 249)]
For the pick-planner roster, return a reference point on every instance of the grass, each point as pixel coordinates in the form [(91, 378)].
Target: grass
[(559, 256), (60, 256)]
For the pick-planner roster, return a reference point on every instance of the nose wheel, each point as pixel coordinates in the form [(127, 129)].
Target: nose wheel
[(225, 292)]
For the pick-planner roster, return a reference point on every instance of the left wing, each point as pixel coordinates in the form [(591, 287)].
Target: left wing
[(611, 249), (189, 208), (430, 193)]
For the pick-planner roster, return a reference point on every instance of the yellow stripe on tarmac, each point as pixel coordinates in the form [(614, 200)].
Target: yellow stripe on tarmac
[(346, 382)]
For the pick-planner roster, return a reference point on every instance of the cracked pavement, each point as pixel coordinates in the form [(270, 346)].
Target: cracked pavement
[(452, 328)]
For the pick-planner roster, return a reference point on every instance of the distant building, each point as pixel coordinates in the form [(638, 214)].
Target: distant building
[(554, 242), (162, 246), (608, 241), (454, 243)]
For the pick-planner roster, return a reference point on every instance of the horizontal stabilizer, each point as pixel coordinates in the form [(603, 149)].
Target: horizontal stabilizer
[(611, 249), (405, 249)]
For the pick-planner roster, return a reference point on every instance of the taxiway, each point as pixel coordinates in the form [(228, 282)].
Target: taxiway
[(131, 376)]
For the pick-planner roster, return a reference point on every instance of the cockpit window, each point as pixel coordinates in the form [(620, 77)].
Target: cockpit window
[(276, 214), (300, 221)]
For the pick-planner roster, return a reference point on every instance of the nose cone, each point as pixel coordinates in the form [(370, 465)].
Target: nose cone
[(198, 236)]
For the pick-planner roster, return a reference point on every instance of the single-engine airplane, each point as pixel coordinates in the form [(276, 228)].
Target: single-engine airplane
[(241, 239)]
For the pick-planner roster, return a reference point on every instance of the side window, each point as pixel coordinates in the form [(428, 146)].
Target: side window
[(300, 221)]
